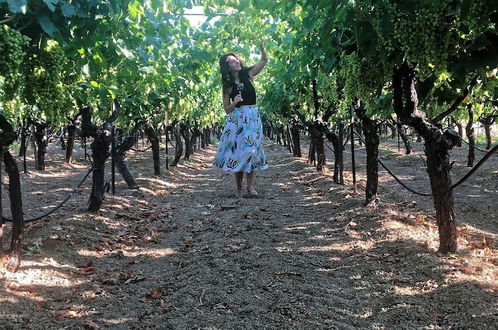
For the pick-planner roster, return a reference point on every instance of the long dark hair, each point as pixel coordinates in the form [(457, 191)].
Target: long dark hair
[(227, 80)]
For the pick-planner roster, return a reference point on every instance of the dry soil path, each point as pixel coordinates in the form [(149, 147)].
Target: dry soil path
[(182, 253)]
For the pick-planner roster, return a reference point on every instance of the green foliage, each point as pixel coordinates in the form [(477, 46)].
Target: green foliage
[(146, 54)]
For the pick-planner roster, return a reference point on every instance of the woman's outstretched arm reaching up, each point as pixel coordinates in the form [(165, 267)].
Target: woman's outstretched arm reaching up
[(261, 64)]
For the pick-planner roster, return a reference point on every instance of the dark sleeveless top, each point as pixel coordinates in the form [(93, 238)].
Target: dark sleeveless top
[(248, 92)]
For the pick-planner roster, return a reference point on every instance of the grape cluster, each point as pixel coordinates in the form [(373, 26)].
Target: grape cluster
[(384, 15), (12, 44), (44, 80), (350, 73), (477, 11), (327, 86), (422, 35), (362, 77)]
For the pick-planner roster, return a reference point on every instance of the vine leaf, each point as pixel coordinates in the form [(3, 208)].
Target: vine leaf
[(17, 6), (51, 4), (47, 25), (68, 10)]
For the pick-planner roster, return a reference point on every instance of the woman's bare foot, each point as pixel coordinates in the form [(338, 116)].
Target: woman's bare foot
[(252, 191)]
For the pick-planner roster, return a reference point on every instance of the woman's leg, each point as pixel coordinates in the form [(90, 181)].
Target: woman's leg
[(239, 177), (250, 179)]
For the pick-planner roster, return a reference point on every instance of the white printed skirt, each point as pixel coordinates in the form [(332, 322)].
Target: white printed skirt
[(240, 148)]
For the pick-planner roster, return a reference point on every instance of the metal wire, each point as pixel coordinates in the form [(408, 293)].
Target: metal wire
[(144, 150), (55, 208), (395, 177), (473, 169), (481, 150)]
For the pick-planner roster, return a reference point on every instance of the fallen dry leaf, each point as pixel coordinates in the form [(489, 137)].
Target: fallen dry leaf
[(156, 293), (90, 325), (26, 288), (86, 271)]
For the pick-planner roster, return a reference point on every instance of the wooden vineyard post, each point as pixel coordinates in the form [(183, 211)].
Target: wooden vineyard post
[(166, 140), (352, 148), (340, 152), (84, 146), (24, 161), (113, 160), (399, 142), (2, 222)]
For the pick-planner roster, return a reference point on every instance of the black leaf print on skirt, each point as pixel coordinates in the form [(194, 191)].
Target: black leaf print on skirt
[(232, 163)]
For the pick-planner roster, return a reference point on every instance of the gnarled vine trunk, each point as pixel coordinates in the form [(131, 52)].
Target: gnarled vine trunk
[(487, 132), (296, 140), (121, 164), (24, 134), (320, 149), (288, 139), (336, 140), (203, 139), (41, 140), (178, 145), (406, 141), (459, 128), (469, 130), (100, 153), (185, 133), (71, 134), (61, 139), (154, 141), (12, 259), (437, 146), (196, 133), (370, 131), (486, 122)]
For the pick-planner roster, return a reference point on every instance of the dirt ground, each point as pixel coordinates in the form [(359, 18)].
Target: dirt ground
[(182, 253)]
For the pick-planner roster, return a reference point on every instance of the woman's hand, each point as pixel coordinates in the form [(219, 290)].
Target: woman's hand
[(262, 62), (262, 47), (238, 98)]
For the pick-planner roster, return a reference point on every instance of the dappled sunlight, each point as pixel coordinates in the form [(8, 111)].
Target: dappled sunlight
[(124, 203), (319, 202), (161, 182), (34, 273), (154, 192), (422, 288), (116, 321), (296, 228), (131, 252), (9, 300), (152, 252), (90, 253), (162, 252)]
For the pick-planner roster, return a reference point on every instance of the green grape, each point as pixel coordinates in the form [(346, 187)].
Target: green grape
[(422, 35), (12, 53), (44, 77)]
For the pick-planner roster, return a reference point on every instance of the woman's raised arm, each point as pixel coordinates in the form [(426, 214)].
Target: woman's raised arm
[(261, 64)]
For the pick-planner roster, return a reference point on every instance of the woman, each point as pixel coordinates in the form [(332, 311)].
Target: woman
[(240, 149)]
